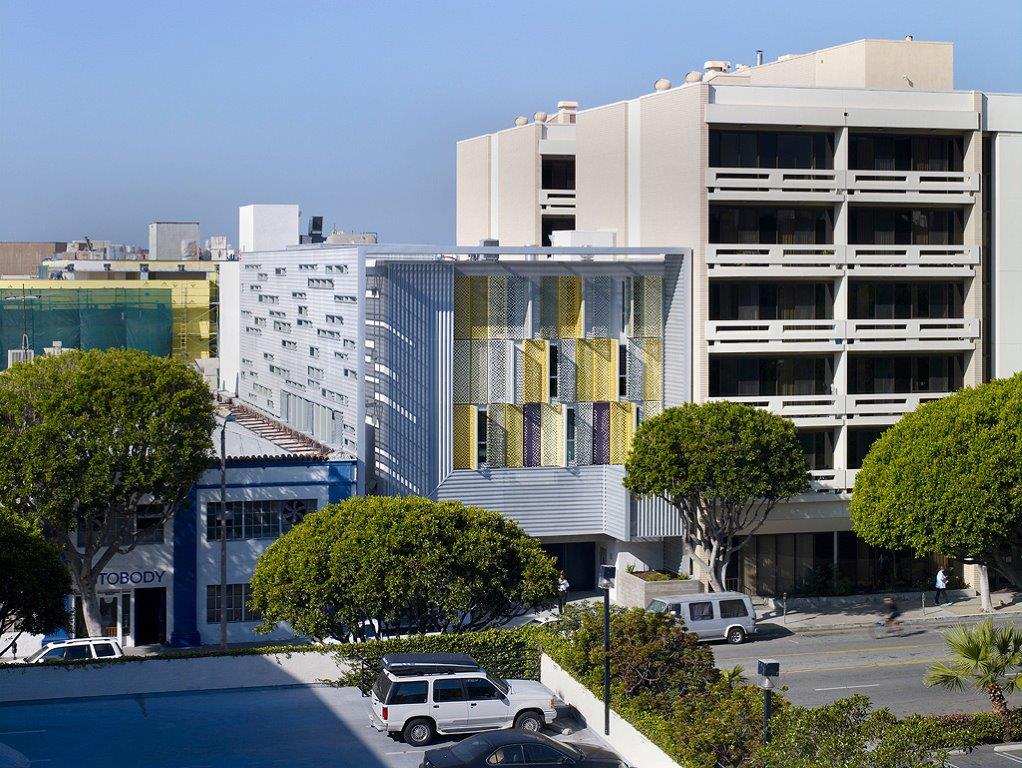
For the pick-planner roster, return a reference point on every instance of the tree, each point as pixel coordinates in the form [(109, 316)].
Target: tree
[(947, 479), (983, 658), (846, 734), (652, 657), (33, 581), (89, 438), (401, 561), (724, 466)]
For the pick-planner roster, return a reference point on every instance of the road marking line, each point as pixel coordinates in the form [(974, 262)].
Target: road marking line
[(915, 663), (1011, 757), (873, 649), (847, 687), (16, 733)]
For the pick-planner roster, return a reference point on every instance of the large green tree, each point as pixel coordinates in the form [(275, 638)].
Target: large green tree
[(436, 566), (90, 437), (724, 466), (34, 582), (947, 479)]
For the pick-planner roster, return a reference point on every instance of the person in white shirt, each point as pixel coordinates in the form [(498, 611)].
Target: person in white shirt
[(562, 592), (940, 586)]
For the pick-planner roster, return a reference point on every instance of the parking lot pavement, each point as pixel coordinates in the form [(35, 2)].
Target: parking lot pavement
[(300, 727), (988, 757)]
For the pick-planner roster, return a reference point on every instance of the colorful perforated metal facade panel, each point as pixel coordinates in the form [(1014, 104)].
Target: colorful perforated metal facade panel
[(511, 327)]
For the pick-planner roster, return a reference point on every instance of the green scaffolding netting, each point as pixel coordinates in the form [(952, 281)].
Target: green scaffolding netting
[(86, 318)]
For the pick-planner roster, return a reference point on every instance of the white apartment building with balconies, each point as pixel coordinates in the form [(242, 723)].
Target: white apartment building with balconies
[(856, 240)]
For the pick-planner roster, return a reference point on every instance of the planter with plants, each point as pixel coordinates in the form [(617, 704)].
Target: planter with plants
[(636, 588)]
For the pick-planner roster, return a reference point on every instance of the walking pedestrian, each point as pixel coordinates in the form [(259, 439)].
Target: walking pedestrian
[(562, 592), (940, 587)]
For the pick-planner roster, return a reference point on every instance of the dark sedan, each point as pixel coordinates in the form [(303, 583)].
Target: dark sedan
[(514, 747)]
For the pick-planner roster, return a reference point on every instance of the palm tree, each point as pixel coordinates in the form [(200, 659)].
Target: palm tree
[(984, 658)]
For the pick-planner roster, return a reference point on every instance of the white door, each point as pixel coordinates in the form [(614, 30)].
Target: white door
[(487, 707), (449, 708)]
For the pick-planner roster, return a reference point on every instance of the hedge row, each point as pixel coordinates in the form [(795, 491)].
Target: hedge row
[(510, 653)]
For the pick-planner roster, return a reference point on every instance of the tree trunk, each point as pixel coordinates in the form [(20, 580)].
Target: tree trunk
[(716, 576), (998, 701), (984, 589), (90, 608)]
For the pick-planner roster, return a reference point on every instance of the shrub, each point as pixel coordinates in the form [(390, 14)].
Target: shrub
[(502, 652), (652, 657), (660, 575), (721, 728), (966, 729)]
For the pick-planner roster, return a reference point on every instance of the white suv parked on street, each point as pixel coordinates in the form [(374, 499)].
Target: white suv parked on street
[(77, 649), (422, 694)]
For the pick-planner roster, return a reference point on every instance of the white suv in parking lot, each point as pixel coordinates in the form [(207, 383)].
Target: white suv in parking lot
[(78, 649), (421, 694)]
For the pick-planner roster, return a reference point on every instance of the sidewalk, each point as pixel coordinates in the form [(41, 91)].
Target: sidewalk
[(865, 612)]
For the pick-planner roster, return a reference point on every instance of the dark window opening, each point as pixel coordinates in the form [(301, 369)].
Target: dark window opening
[(818, 447), (901, 301), (747, 300), (906, 226), (771, 225), (556, 224), (890, 374), (905, 152), (771, 149), (558, 172), (742, 376), (859, 442)]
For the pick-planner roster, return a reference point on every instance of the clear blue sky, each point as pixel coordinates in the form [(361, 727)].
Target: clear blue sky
[(114, 114)]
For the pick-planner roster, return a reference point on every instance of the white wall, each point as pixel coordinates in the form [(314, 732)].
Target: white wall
[(47, 682), (1007, 244), (267, 227), (229, 325), (631, 745)]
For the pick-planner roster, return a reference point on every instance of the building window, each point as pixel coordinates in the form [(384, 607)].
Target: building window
[(569, 438), (553, 359), (321, 282), (264, 519), (149, 524), (313, 351), (622, 370), (238, 596), (481, 437), (280, 270), (303, 311)]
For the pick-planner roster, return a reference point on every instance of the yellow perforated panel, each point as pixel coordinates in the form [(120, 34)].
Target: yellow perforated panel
[(569, 307), (604, 369), (464, 437), (552, 425), (462, 307), (622, 430), (535, 378), (585, 385), (514, 424), (653, 369), (479, 322)]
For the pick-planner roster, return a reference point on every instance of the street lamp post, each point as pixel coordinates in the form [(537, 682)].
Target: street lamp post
[(223, 529), (769, 669), (607, 574)]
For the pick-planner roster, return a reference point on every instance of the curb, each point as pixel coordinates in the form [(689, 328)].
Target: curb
[(771, 627), (1013, 747)]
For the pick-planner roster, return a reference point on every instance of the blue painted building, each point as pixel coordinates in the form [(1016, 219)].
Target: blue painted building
[(167, 590)]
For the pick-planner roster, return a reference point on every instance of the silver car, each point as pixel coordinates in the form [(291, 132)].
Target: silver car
[(714, 616)]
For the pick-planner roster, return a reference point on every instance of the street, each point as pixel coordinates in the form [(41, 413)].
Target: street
[(300, 727), (822, 668)]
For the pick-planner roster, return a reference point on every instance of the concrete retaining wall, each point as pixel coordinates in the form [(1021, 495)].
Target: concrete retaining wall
[(633, 592), (635, 748), (39, 682), (905, 600)]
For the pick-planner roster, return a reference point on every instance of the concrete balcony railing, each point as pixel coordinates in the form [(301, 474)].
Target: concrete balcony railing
[(888, 403), (740, 260), (828, 480), (941, 333), (774, 335), (804, 410), (557, 201), (912, 260), (774, 184), (911, 186)]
